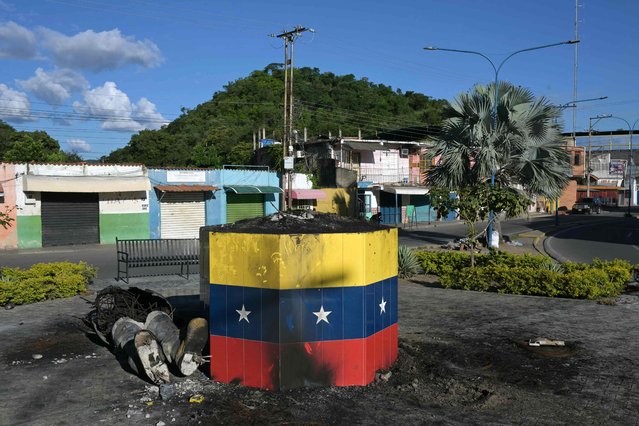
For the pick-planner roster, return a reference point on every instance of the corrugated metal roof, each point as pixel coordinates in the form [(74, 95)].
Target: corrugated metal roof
[(186, 188), (366, 146), (252, 189)]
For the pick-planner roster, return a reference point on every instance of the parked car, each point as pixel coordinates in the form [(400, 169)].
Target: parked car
[(587, 206)]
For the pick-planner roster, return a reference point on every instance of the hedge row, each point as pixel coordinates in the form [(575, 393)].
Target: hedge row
[(528, 274), (44, 281)]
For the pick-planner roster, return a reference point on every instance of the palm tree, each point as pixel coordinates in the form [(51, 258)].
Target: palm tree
[(525, 148)]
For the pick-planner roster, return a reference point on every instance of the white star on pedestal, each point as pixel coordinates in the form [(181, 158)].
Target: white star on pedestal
[(322, 315), (382, 306), (243, 314)]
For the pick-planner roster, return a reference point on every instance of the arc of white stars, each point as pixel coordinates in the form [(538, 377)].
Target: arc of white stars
[(382, 306), (322, 315), (243, 314)]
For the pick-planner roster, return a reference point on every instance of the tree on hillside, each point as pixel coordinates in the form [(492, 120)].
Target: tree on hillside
[(37, 146), (524, 149), (221, 130)]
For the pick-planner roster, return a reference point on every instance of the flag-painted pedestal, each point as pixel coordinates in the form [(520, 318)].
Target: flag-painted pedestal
[(297, 310)]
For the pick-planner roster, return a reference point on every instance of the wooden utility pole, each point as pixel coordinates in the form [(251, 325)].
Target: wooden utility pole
[(287, 138)]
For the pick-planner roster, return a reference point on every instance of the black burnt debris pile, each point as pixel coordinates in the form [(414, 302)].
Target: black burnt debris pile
[(138, 326), (114, 302), (299, 222)]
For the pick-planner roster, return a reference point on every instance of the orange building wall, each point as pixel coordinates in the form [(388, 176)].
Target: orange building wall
[(8, 236), (569, 196), (577, 160)]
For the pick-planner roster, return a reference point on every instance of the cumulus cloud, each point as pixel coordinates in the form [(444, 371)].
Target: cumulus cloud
[(99, 51), (147, 115), (117, 112), (56, 86), (79, 145), (16, 42), (14, 106)]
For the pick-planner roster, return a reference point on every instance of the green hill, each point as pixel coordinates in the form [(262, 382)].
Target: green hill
[(221, 130)]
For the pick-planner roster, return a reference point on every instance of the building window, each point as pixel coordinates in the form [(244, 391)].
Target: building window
[(577, 159)]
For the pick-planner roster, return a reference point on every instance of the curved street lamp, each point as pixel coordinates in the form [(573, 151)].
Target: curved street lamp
[(496, 69), (573, 104)]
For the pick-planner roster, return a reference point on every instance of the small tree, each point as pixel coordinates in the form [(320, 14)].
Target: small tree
[(525, 148), (5, 218), (441, 201), (474, 203)]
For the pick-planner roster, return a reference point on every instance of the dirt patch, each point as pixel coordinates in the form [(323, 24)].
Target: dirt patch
[(298, 223), (429, 379), (61, 342), (461, 361)]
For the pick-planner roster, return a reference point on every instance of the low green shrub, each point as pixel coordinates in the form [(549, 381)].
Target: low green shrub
[(44, 281), (439, 262), (528, 274), (501, 258)]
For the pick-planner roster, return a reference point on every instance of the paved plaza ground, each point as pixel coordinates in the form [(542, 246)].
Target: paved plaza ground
[(463, 360)]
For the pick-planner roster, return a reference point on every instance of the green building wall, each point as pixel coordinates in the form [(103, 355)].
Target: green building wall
[(123, 226), (29, 231)]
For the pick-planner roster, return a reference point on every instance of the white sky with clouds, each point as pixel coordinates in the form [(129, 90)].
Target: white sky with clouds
[(97, 71)]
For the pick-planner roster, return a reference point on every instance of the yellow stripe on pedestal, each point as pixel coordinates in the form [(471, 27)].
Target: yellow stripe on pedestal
[(303, 260)]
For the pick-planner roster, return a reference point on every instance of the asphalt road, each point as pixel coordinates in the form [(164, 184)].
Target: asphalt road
[(444, 232), (578, 238), (612, 238)]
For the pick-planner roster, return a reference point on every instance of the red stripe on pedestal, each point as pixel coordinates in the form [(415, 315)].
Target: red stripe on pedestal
[(250, 363), (272, 366), (381, 350)]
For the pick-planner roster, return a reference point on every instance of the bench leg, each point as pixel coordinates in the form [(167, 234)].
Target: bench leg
[(182, 270), (124, 271)]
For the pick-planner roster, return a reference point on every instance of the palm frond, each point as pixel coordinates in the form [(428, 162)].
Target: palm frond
[(525, 148)]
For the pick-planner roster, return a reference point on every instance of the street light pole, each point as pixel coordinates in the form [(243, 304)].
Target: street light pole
[(496, 69), (598, 118), (561, 107), (631, 130)]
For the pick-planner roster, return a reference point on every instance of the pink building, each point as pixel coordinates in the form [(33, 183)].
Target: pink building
[(9, 235)]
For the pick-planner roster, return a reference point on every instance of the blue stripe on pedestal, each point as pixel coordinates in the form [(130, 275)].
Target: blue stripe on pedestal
[(291, 316)]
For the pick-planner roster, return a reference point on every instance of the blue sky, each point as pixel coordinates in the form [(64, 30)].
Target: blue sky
[(132, 64)]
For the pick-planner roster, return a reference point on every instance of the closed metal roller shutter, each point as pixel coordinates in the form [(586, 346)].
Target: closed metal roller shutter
[(182, 214), (70, 218), (243, 206)]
